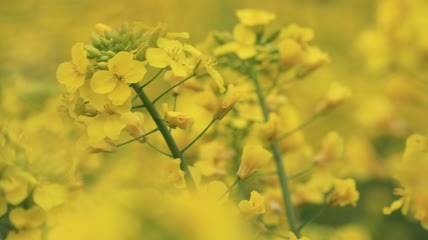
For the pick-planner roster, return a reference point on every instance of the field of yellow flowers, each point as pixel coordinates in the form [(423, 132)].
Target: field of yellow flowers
[(214, 120)]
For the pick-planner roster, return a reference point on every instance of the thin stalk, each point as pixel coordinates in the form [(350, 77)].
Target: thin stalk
[(302, 172), (300, 127), (172, 145), (138, 106), (320, 212), (173, 86), (283, 181), (148, 82), (199, 136), (158, 150), (153, 78), (229, 188), (137, 138)]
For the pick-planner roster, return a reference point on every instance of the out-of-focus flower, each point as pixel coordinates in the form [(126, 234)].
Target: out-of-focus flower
[(232, 96), (344, 193), (254, 157), (253, 207), (336, 95), (253, 17), (243, 44)]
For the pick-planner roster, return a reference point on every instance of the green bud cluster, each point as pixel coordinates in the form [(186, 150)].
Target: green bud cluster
[(106, 46)]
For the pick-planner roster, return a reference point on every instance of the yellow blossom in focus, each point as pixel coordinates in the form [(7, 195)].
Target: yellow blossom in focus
[(254, 157), (177, 119), (208, 64), (73, 74), (169, 53), (123, 70), (344, 193), (254, 17), (253, 207)]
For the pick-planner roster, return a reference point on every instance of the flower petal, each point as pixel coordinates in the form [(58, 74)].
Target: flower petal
[(78, 56), (67, 75), (121, 63), (157, 57), (136, 73), (113, 126), (103, 82), (119, 94)]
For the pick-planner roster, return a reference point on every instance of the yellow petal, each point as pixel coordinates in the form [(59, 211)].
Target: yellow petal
[(78, 58), (136, 73), (49, 196), (113, 126), (178, 69), (169, 44), (96, 128), (157, 57), (103, 82), (67, 75), (119, 94), (244, 35), (121, 63), (29, 218)]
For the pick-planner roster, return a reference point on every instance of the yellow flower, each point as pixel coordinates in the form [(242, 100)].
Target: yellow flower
[(312, 60), (253, 17), (253, 158), (123, 69), (243, 45), (25, 234), (15, 184), (208, 63), (332, 148), (232, 96), (344, 193), (253, 207), (177, 119), (27, 218), (336, 95), (169, 53), (48, 196), (73, 74), (101, 28), (290, 52)]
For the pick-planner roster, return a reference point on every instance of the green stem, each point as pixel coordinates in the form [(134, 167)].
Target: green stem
[(302, 172), (320, 212), (138, 106), (158, 150), (153, 78), (283, 181), (172, 145), (300, 127), (173, 86), (199, 136), (148, 82), (229, 188), (137, 138)]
